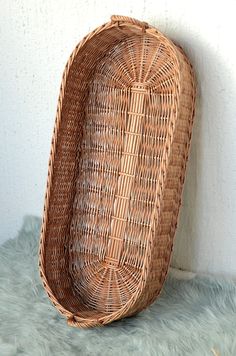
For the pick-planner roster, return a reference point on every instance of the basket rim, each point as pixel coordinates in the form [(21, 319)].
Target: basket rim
[(74, 319)]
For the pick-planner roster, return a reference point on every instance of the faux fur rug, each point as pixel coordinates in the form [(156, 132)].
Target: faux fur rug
[(195, 315)]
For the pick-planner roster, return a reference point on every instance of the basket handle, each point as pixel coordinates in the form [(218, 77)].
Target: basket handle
[(118, 18)]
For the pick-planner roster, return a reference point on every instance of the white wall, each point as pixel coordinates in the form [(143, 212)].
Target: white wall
[(36, 38)]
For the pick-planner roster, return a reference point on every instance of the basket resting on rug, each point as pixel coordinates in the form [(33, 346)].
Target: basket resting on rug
[(116, 172)]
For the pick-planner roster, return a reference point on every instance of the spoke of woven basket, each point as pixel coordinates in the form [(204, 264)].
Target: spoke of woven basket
[(129, 160)]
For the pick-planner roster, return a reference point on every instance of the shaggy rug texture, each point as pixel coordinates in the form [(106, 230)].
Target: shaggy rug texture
[(195, 315)]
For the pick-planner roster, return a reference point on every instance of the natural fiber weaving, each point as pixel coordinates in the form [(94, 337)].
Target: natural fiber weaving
[(116, 172)]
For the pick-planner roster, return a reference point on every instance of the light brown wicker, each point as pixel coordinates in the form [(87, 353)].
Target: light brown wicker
[(116, 172)]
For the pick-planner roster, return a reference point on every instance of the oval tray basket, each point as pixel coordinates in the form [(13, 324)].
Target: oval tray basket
[(116, 172)]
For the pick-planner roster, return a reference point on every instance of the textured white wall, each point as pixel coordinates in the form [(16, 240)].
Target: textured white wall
[(36, 38)]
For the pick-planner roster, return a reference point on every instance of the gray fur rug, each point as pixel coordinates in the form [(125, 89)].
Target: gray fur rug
[(195, 315)]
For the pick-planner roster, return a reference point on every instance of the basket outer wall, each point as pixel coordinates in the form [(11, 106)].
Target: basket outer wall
[(153, 277)]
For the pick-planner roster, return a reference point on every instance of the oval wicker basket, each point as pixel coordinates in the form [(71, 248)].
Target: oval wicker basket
[(116, 172)]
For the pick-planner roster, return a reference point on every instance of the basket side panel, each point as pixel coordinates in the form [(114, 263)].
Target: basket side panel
[(164, 231), (63, 168)]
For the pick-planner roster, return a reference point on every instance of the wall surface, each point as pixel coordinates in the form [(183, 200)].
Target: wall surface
[(36, 38)]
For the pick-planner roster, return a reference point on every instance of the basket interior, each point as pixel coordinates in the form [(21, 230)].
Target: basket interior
[(119, 98)]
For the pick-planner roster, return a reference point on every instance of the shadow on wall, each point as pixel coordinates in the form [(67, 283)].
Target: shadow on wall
[(186, 243)]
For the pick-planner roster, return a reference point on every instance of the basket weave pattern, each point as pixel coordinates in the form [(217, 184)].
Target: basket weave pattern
[(116, 172)]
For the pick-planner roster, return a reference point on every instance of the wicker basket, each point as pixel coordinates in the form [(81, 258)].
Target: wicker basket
[(116, 172)]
